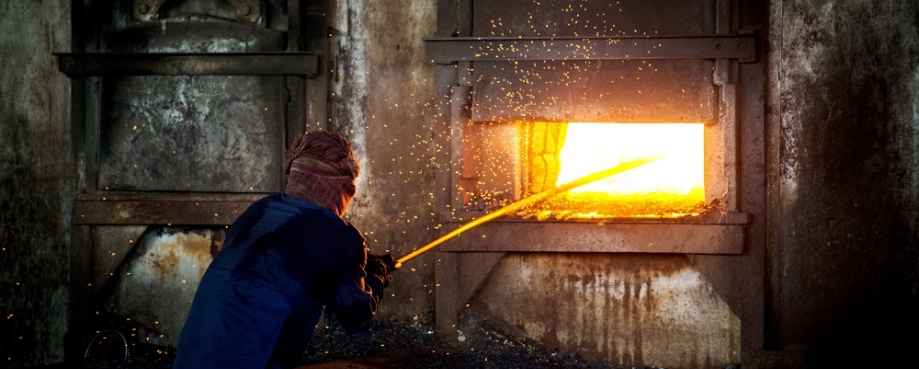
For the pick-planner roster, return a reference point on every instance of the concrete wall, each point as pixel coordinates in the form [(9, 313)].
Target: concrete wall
[(36, 177), (848, 257), (628, 309), (382, 90)]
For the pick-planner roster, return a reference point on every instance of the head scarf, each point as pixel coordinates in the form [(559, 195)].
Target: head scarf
[(320, 168)]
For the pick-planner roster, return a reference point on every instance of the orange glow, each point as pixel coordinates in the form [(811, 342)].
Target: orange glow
[(670, 187), (590, 147)]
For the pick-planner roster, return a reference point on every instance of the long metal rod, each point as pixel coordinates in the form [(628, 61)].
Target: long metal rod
[(622, 167)]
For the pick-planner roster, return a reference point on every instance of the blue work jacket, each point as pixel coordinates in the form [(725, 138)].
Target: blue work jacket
[(283, 260)]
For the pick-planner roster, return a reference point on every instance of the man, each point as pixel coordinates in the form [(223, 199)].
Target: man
[(288, 255)]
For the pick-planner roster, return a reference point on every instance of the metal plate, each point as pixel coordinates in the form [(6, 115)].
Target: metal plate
[(192, 133), (446, 50), (667, 91), (559, 18), (109, 64), (593, 237), (158, 212), (203, 36)]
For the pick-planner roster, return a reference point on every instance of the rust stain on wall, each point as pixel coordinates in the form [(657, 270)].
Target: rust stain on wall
[(172, 252), (631, 309), (159, 282)]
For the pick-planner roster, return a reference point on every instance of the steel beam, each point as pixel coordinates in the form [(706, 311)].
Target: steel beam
[(594, 237), (261, 64), (161, 209), (455, 49)]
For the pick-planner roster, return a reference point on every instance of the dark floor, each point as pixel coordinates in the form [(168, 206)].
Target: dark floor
[(405, 344), (412, 344)]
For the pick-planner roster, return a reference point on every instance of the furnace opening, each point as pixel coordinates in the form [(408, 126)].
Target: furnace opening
[(557, 153)]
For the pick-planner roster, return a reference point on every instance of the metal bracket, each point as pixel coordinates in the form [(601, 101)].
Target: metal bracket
[(145, 10), (249, 11), (722, 73)]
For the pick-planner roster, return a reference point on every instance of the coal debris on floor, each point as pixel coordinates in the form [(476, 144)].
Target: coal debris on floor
[(484, 343), (141, 356), (402, 344)]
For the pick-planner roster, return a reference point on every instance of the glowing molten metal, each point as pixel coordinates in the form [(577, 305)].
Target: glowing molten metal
[(668, 188)]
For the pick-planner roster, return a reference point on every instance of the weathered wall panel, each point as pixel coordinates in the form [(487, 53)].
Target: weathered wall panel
[(849, 264), (197, 133), (382, 94), (623, 308), (192, 133), (627, 91), (36, 182), (580, 18), (156, 285)]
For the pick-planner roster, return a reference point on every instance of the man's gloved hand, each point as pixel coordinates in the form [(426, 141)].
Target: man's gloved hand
[(381, 266), (387, 259)]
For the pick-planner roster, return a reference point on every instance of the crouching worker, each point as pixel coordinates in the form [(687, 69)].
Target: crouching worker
[(285, 258)]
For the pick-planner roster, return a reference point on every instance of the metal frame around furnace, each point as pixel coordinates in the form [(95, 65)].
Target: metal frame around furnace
[(461, 267)]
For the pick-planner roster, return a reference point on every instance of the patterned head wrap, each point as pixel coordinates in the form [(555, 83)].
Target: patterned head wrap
[(320, 168)]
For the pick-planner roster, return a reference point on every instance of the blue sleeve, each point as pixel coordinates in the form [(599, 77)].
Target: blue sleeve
[(357, 296)]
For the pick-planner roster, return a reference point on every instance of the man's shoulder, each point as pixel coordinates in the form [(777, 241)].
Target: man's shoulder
[(286, 206)]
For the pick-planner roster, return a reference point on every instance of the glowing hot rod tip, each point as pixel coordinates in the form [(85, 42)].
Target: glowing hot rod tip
[(398, 265)]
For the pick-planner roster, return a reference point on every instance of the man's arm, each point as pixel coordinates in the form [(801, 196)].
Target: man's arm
[(360, 290)]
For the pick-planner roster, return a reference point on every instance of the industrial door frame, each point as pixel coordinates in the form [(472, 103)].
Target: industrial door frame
[(300, 66)]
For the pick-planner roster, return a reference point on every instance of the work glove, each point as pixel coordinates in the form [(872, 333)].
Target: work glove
[(381, 267), (387, 259)]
